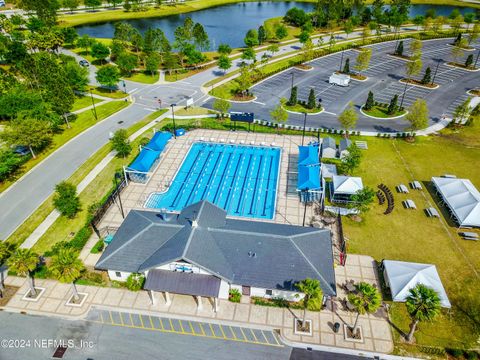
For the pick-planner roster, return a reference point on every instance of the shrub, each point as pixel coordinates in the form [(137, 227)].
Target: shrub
[(471, 355), (98, 247), (144, 141), (234, 295), (66, 200), (135, 282)]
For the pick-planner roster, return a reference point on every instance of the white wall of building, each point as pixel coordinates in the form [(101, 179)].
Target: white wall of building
[(118, 275), (329, 153)]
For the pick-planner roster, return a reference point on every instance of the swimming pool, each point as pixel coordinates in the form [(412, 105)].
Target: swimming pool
[(238, 178)]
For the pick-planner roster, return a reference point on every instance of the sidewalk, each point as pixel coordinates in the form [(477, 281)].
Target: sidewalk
[(376, 329)]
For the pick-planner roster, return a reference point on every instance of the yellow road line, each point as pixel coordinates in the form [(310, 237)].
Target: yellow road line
[(221, 329), (131, 320), (256, 340), (111, 317), (181, 326), (213, 332), (233, 333), (171, 325), (245, 338), (161, 324), (191, 327), (101, 317), (121, 318), (201, 328), (151, 322), (276, 340)]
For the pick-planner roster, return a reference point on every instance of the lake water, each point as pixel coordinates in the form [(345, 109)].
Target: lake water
[(229, 23)]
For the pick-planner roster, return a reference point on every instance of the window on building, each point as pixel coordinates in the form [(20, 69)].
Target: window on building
[(118, 274), (269, 292)]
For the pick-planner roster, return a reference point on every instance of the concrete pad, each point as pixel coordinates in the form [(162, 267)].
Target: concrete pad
[(63, 309), (182, 304), (327, 339), (341, 342), (113, 297), (353, 271), (383, 346), (368, 273), (380, 330), (258, 314), (314, 339), (288, 334), (100, 295), (17, 302), (60, 291), (77, 311), (366, 345), (129, 298), (226, 310), (275, 316), (142, 301), (36, 305), (242, 312), (51, 305)]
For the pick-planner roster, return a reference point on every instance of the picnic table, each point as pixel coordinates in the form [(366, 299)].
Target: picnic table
[(432, 212), (350, 287)]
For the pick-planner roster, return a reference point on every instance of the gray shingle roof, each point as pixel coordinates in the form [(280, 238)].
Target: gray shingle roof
[(329, 142), (344, 144), (202, 235)]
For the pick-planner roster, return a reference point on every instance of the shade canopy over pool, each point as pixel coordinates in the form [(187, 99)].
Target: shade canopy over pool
[(159, 141), (144, 161), (308, 168), (239, 179)]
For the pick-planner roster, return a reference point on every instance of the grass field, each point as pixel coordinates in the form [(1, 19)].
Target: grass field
[(83, 121), (192, 111), (116, 94), (189, 6), (409, 235), (382, 112), (142, 77), (83, 102), (62, 227)]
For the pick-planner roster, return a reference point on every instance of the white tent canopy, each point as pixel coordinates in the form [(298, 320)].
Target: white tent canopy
[(462, 198), (402, 276), (347, 184)]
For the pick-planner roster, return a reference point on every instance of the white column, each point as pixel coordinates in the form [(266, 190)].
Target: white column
[(167, 298), (199, 303), (152, 296), (215, 304)]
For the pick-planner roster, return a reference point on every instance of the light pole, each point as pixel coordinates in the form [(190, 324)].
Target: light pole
[(404, 91), (173, 118), (305, 194), (341, 62), (475, 65), (304, 124), (293, 77), (124, 86), (436, 69), (117, 177)]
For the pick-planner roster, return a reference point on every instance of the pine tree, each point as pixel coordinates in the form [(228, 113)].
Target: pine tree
[(370, 101), (399, 50), (346, 67), (392, 107), (458, 39), (293, 97), (427, 78), (311, 99), (469, 61)]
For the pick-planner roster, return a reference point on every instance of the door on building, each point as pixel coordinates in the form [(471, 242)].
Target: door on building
[(246, 290)]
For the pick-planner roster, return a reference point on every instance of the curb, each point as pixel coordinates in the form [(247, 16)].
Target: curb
[(418, 85), (387, 118)]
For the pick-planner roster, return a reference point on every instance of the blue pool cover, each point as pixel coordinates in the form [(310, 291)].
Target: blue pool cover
[(308, 168), (159, 141), (240, 179), (144, 161)]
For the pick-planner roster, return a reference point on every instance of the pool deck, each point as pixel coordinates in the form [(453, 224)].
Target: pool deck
[(288, 210)]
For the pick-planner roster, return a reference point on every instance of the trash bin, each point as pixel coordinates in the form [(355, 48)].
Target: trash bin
[(179, 132), (336, 327)]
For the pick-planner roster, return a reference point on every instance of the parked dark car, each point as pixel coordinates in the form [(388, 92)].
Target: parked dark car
[(84, 63), (21, 150)]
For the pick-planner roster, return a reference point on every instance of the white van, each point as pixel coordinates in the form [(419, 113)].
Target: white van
[(339, 79)]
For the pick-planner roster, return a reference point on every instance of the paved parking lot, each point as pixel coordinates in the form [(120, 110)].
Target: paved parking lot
[(384, 74), (184, 327)]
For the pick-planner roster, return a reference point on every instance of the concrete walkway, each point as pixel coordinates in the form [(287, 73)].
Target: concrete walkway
[(375, 328), (54, 215)]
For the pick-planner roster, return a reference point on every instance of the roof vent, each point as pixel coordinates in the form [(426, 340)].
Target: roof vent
[(252, 254)]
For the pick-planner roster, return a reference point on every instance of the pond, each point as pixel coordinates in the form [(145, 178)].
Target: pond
[(229, 23)]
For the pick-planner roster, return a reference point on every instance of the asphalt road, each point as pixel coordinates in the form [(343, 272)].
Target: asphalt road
[(383, 74), (36, 335)]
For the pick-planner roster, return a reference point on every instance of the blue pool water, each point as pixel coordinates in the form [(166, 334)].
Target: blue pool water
[(240, 179)]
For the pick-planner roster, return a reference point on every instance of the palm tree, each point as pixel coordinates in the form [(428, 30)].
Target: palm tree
[(423, 304), (366, 300), (24, 262), (312, 290), (4, 251), (66, 267)]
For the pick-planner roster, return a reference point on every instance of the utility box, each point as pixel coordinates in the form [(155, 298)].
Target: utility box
[(339, 79)]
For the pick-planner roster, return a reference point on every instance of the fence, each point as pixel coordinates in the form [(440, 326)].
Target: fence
[(343, 242), (109, 201)]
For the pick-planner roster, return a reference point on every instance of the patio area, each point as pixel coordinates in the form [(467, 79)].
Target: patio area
[(375, 328)]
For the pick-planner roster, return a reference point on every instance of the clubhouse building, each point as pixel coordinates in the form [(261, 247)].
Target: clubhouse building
[(202, 253)]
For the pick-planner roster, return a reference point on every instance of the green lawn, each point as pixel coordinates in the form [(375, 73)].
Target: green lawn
[(83, 102), (115, 94), (63, 227), (301, 109), (192, 111), (382, 112), (83, 121), (143, 77), (409, 235)]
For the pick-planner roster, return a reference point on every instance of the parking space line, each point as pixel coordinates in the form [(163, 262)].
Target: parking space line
[(233, 333), (101, 317), (201, 328), (221, 330), (253, 335), (121, 318), (181, 326), (131, 319), (141, 321), (151, 322), (191, 327), (111, 317)]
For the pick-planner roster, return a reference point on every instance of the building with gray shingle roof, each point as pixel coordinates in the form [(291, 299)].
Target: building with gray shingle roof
[(257, 257), (343, 147), (329, 148)]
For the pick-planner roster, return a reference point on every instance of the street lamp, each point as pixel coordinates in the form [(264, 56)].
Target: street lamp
[(305, 195), (475, 65), (124, 86), (173, 118), (293, 77), (341, 62), (304, 124), (117, 177), (93, 104)]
